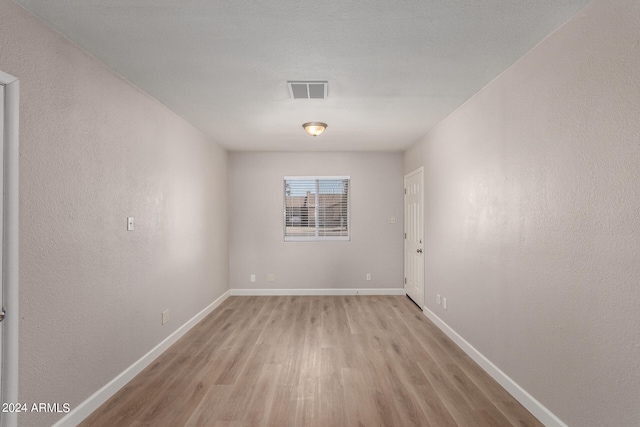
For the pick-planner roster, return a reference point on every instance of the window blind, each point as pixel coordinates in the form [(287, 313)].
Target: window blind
[(316, 208)]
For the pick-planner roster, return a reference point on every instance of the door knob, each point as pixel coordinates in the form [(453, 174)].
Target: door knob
[(419, 251), (2, 313)]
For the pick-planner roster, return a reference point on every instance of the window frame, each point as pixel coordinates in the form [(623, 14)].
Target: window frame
[(317, 206)]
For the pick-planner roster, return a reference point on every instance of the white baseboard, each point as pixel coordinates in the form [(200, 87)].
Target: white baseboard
[(83, 410), (545, 416), (302, 292)]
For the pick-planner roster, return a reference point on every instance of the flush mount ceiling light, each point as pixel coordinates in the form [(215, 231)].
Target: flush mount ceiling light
[(314, 128)]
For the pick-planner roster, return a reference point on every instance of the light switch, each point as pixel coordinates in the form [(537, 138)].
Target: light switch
[(129, 223)]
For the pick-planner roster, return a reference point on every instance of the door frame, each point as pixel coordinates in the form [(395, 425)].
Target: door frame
[(10, 247), (419, 170)]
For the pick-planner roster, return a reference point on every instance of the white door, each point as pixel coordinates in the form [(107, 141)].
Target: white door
[(413, 227), (9, 156), (1, 235)]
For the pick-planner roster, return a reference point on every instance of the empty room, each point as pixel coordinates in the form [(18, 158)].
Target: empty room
[(382, 213)]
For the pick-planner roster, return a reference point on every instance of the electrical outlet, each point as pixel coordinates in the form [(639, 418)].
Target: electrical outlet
[(252, 278), (368, 276), (271, 277), (165, 316)]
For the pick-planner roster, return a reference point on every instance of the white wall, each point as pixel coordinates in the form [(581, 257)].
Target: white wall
[(532, 218), (94, 150), (256, 212)]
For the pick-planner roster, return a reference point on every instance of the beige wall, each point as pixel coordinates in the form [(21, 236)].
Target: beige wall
[(256, 212), (94, 150), (533, 218)]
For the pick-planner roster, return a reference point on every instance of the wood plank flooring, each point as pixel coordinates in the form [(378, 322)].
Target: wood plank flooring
[(313, 361)]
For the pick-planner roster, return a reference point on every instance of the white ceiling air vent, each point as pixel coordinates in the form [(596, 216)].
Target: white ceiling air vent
[(308, 90)]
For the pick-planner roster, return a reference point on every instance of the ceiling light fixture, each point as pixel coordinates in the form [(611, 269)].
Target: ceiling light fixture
[(314, 128)]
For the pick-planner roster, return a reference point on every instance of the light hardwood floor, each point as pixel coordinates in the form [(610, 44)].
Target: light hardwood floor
[(313, 361)]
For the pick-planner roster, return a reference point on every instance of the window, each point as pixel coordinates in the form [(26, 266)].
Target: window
[(316, 208)]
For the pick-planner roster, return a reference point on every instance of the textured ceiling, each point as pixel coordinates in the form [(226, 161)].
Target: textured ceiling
[(395, 67)]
